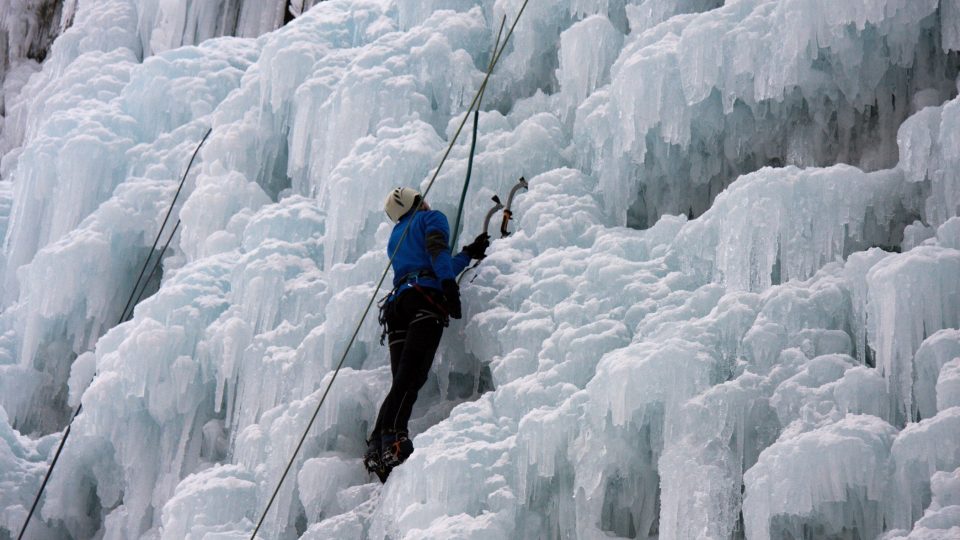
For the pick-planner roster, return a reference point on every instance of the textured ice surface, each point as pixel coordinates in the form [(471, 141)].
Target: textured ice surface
[(921, 450), (931, 359), (912, 295), (942, 518), (716, 84), (729, 307), (780, 224), (209, 503), (948, 385), (22, 466), (27, 29), (824, 480)]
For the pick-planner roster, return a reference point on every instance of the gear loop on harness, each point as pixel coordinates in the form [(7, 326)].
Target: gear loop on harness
[(389, 301)]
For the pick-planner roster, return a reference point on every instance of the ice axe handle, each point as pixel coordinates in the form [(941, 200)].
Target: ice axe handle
[(486, 226), (521, 184), (497, 206), (507, 216), (508, 211)]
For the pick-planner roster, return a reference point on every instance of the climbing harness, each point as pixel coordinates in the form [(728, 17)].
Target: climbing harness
[(508, 212), (444, 314), (123, 317), (388, 301), (383, 275)]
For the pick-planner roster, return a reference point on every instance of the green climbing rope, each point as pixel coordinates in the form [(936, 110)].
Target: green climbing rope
[(473, 146)]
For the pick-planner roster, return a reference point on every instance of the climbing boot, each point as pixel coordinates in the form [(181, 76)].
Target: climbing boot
[(396, 447), (372, 461)]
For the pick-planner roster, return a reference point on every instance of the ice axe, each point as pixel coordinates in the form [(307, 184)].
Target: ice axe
[(497, 205), (508, 212)]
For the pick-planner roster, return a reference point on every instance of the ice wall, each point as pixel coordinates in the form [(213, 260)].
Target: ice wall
[(940, 520), (775, 225), (27, 29), (170, 24), (728, 309), (717, 85), (110, 243), (22, 466)]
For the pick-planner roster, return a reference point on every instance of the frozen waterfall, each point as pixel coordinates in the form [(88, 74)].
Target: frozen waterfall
[(730, 308)]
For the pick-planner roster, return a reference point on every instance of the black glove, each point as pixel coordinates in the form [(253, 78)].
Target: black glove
[(451, 295), (478, 248)]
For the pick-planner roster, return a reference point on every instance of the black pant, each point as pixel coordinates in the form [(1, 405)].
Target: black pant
[(414, 327)]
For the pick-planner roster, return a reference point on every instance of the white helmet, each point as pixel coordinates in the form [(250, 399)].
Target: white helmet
[(400, 201)]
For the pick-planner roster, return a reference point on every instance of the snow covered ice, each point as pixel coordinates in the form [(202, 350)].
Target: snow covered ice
[(730, 307)]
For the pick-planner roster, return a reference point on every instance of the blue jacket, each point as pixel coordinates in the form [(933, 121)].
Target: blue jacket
[(426, 247)]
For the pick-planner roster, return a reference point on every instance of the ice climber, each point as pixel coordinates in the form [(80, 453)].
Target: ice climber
[(425, 296)]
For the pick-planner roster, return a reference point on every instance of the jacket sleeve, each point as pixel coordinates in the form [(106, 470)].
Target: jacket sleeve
[(437, 232), (460, 261)]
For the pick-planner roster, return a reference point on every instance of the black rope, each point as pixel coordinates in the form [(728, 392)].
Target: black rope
[(46, 477), (383, 276), (123, 316), (156, 266), (130, 302)]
